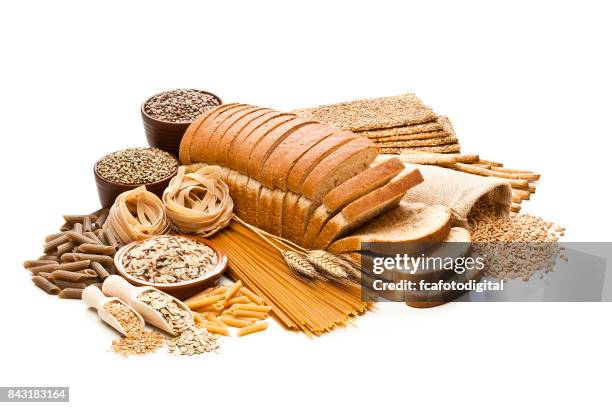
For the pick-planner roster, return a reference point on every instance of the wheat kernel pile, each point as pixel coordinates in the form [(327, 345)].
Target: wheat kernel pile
[(515, 246)]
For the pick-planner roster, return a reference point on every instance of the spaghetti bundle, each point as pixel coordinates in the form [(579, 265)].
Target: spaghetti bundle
[(137, 214), (198, 203), (313, 307)]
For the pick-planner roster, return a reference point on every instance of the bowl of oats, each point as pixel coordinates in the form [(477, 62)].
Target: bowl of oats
[(179, 265)]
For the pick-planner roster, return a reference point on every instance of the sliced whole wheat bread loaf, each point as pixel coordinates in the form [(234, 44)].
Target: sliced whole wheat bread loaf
[(407, 223), (275, 212), (233, 131), (289, 204), (221, 131), (366, 208), (210, 127), (352, 189), (252, 196)]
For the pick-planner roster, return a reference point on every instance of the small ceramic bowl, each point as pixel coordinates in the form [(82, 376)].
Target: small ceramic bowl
[(180, 290), (165, 135), (109, 190)]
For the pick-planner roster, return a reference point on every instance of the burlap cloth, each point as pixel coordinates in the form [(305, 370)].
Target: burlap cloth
[(459, 191)]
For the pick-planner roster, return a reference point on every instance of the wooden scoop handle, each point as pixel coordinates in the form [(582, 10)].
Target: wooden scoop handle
[(93, 297)]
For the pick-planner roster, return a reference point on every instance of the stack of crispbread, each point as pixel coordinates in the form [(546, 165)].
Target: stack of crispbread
[(394, 123)]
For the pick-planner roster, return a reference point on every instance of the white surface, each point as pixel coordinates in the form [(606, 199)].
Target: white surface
[(527, 84)]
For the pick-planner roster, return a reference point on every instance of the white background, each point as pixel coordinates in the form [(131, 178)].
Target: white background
[(527, 84)]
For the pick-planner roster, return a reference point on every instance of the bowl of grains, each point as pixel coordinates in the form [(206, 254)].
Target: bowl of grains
[(127, 169), (179, 265), (167, 115)]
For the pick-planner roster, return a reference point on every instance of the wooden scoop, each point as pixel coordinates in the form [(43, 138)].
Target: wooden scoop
[(115, 285), (93, 297)]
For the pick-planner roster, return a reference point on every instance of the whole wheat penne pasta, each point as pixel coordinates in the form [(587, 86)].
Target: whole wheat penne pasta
[(97, 249), (38, 262), (234, 322), (79, 238), (254, 308), (48, 257), (203, 302), (215, 328), (72, 257), (93, 237), (63, 284), (69, 276), (77, 228), (91, 281), (75, 266), (51, 237), (71, 219), (253, 328), (100, 270), (89, 272), (110, 238), (45, 285), (46, 275), (237, 300), (65, 227), (252, 296), (71, 293), (44, 268), (100, 234), (65, 247), (233, 290), (87, 224), (249, 313), (54, 243), (102, 217)]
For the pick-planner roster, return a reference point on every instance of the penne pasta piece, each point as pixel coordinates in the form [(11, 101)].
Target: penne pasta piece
[(255, 308), (254, 298), (237, 300), (69, 276), (97, 249), (79, 238), (65, 247), (71, 293), (51, 237), (93, 237), (48, 258), (38, 262), (249, 313), (100, 270), (197, 318), (45, 285), (233, 290), (75, 266), (233, 322), (253, 328), (217, 307), (63, 284), (87, 224), (44, 268), (203, 302), (215, 329), (72, 257), (77, 228)]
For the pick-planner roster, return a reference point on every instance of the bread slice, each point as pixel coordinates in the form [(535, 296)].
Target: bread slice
[(266, 145), (240, 201), (352, 189), (247, 145), (235, 129), (289, 204), (264, 200), (253, 188), (221, 131), (246, 127), (275, 212), (199, 149), (279, 163), (304, 210), (307, 162), (367, 207), (342, 164), (407, 223), (188, 136)]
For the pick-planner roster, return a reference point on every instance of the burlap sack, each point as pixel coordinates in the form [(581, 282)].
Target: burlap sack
[(459, 191)]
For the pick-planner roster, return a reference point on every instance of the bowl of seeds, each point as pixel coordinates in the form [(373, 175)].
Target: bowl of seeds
[(167, 115), (128, 169), (180, 265)]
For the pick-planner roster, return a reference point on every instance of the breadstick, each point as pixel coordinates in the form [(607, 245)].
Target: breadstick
[(516, 198), (469, 168), (515, 207), (522, 193), (511, 171), (491, 163)]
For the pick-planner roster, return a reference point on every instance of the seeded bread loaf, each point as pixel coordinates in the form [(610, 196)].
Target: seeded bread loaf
[(266, 145), (349, 191), (276, 168), (342, 164), (367, 207), (407, 223), (189, 136)]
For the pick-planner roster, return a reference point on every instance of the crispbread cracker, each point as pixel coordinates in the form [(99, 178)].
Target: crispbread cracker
[(367, 114), (438, 141), (450, 148), (447, 125), (415, 136), (403, 130)]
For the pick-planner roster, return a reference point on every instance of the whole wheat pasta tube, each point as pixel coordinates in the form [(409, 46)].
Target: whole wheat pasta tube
[(254, 328), (137, 214), (198, 203), (45, 285)]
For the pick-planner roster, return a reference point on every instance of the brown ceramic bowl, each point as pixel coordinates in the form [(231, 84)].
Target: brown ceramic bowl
[(180, 290), (109, 190), (165, 135)]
